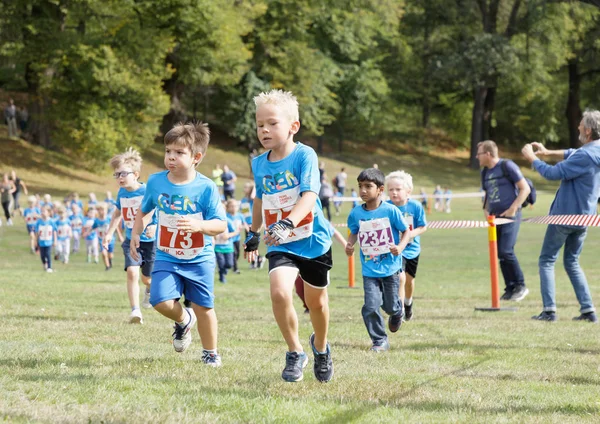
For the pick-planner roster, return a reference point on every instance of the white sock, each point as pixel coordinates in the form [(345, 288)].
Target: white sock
[(186, 319), (408, 301), (210, 351)]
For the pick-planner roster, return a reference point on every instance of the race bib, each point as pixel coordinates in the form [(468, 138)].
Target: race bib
[(63, 231), (101, 230), (222, 239), (177, 243), (375, 237), (76, 224), (245, 210), (129, 207), (279, 205), (31, 219), (410, 221), (45, 232)]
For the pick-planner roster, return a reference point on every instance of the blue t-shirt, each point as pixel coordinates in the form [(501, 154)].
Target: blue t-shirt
[(246, 209), (376, 230), (101, 227), (198, 199), (355, 203), (128, 202), (238, 221), (76, 223), (414, 215), (31, 216), (88, 223), (279, 185), (501, 191), (227, 178), (63, 229), (111, 206), (45, 230)]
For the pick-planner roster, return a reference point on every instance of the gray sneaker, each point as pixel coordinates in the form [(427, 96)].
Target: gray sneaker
[(380, 346), (211, 359), (519, 293), (323, 365), (295, 362), (588, 316)]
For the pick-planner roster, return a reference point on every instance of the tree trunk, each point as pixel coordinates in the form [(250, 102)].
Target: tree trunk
[(173, 88), (480, 95), (320, 140), (488, 114), (573, 110)]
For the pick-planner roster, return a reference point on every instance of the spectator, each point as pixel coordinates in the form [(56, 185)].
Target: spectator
[(10, 115), (437, 196), (321, 170), (229, 178), (579, 175), (7, 188), (18, 185), (340, 180), (23, 116), (505, 191), (325, 195), (216, 176)]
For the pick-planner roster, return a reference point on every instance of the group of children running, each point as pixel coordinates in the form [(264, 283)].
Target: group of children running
[(177, 230)]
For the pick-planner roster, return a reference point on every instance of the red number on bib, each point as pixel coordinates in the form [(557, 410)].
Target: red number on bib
[(176, 239)]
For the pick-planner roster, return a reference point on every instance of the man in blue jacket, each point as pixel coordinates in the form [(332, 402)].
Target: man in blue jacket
[(579, 172)]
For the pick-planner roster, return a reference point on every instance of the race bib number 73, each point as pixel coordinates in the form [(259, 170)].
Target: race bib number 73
[(175, 242)]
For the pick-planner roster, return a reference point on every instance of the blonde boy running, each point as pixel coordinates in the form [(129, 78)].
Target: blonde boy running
[(127, 168), (297, 237), (399, 187), (189, 213)]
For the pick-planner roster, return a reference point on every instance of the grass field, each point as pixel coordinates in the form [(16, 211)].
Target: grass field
[(68, 355)]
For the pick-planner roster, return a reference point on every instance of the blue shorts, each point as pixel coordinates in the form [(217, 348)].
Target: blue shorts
[(147, 252), (173, 280), (30, 228), (111, 248)]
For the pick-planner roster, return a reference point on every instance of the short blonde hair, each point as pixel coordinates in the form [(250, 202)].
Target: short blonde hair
[(404, 178), (488, 146), (283, 100), (129, 157), (193, 135)]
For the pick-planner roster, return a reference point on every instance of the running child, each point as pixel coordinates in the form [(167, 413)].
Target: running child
[(31, 215), (101, 224), (399, 188), (91, 237), (76, 220), (376, 226), (239, 223), (45, 231), (224, 248), (127, 167), (63, 236), (297, 236), (189, 215)]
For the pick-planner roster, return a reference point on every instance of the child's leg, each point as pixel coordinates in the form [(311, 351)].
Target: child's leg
[(171, 309), (32, 241), (282, 280), (410, 286), (299, 284), (207, 326), (391, 302), (133, 287), (76, 241), (236, 255), (229, 261), (402, 286), (66, 250), (317, 302), (88, 249), (370, 310), (95, 246), (59, 249), (221, 265), (43, 257)]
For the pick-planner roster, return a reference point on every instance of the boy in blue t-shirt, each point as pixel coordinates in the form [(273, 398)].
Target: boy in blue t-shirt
[(45, 231), (399, 187), (224, 249), (189, 213), (101, 224), (91, 237), (238, 222), (297, 236), (76, 220), (31, 215), (64, 232), (376, 226), (127, 167)]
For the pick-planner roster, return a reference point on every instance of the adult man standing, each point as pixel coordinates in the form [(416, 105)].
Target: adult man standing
[(229, 178), (579, 173), (341, 178), (10, 115), (505, 191)]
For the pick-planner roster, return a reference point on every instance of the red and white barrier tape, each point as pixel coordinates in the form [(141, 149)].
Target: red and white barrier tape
[(575, 220), (417, 196)]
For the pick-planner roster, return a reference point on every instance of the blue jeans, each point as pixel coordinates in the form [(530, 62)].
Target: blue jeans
[(380, 292), (572, 238), (224, 262), (509, 264)]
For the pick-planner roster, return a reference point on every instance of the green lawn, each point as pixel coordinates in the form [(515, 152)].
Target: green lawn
[(68, 355)]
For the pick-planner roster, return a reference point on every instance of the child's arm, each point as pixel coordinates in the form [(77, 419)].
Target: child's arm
[(339, 237), (212, 227), (418, 231), (350, 244), (397, 250), (136, 232), (257, 219), (114, 224), (120, 234), (253, 239)]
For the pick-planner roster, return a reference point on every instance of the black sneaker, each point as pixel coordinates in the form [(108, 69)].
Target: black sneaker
[(323, 365), (394, 322), (519, 293), (508, 292), (407, 312), (545, 316), (294, 364), (588, 316)]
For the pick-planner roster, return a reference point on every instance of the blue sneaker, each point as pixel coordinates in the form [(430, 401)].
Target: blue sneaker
[(295, 362), (380, 346), (323, 365), (545, 316)]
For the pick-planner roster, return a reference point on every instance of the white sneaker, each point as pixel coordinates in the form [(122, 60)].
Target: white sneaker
[(182, 336), (135, 317), (9, 222), (146, 302), (49, 270)]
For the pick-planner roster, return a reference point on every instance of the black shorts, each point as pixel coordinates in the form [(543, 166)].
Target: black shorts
[(314, 271), (410, 266), (147, 252)]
